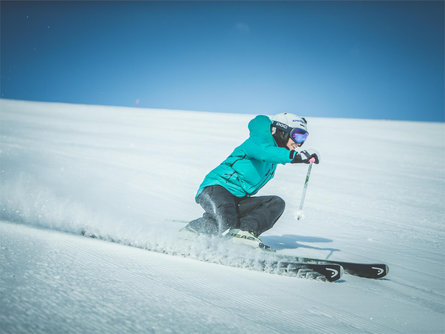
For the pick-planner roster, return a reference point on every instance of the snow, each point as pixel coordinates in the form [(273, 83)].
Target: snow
[(130, 175)]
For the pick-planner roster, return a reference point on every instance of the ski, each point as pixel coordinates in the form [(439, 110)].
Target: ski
[(366, 270), (375, 270), (330, 272)]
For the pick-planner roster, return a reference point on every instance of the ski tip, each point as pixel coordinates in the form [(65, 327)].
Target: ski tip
[(381, 270)]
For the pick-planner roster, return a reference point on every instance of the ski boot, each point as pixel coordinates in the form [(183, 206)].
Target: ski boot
[(246, 238)]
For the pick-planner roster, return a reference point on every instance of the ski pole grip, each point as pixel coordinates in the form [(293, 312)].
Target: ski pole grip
[(312, 160)]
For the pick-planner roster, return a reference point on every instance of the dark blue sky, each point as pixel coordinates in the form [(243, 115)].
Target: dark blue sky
[(380, 59)]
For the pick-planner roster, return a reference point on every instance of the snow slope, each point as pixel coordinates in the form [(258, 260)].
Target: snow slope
[(130, 175)]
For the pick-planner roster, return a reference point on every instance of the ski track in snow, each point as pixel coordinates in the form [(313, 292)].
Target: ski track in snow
[(115, 288), (124, 174)]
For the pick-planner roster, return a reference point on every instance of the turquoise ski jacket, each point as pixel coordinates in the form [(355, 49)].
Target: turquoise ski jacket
[(252, 164)]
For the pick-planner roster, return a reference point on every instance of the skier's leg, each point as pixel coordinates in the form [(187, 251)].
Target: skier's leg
[(203, 224), (220, 211), (259, 214)]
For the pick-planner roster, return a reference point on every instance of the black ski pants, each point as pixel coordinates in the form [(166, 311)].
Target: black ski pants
[(223, 210)]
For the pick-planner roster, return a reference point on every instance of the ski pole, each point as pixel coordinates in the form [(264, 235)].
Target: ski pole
[(300, 214)]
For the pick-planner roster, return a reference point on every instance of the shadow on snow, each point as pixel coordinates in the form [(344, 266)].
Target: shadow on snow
[(292, 241)]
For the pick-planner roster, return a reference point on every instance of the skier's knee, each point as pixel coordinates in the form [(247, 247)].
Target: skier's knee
[(278, 204)]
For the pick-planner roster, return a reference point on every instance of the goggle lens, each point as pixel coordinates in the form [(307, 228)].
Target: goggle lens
[(299, 135)]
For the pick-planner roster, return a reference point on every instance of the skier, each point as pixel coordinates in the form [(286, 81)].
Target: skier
[(226, 194)]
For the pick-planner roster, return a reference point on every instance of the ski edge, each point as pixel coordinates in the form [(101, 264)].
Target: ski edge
[(365, 270)]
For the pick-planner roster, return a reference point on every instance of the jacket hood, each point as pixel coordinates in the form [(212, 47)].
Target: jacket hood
[(259, 129)]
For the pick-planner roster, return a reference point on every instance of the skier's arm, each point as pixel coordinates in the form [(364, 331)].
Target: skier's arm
[(266, 152)]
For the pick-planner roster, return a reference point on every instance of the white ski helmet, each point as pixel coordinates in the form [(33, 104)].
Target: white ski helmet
[(284, 120), (290, 126)]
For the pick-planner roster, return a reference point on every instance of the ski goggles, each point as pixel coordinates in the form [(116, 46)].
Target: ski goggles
[(299, 135)]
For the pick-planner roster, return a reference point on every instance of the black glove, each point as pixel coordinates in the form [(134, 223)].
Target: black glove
[(304, 157)]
